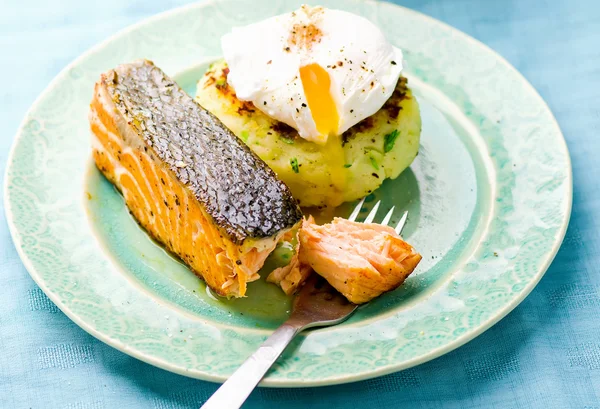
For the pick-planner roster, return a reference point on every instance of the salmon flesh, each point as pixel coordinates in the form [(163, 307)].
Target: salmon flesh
[(190, 182), (293, 275), (360, 260)]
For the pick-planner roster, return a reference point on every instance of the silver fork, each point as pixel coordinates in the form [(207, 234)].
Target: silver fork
[(317, 305)]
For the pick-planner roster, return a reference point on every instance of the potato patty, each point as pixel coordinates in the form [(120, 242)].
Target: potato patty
[(348, 167)]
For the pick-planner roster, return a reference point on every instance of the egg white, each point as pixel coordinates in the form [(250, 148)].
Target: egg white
[(265, 60)]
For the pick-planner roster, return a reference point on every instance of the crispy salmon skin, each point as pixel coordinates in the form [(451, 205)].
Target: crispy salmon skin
[(191, 183)]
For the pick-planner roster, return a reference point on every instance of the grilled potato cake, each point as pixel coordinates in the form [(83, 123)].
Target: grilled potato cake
[(348, 167)]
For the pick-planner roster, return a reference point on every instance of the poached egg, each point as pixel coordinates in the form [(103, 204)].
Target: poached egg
[(321, 71)]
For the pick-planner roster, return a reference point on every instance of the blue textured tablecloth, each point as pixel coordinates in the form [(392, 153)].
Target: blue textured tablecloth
[(545, 354)]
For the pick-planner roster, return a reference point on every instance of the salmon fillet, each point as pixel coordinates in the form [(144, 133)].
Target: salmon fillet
[(192, 184), (360, 260)]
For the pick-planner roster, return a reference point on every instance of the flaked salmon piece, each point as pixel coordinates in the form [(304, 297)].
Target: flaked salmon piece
[(360, 260), (192, 184), (291, 276)]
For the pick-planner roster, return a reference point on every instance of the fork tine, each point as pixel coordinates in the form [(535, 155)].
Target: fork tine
[(401, 223), (356, 210), (371, 215), (388, 216)]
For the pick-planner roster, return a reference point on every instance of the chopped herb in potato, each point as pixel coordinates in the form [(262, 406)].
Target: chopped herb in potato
[(294, 164), (374, 163), (389, 140)]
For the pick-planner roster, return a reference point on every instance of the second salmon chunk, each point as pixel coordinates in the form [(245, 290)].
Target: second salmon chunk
[(360, 260)]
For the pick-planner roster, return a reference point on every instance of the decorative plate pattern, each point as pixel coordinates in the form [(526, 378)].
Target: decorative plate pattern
[(489, 196)]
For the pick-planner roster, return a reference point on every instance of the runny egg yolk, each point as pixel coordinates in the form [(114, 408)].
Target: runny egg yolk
[(316, 84)]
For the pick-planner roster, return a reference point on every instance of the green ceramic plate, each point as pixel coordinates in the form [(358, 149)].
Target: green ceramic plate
[(489, 198)]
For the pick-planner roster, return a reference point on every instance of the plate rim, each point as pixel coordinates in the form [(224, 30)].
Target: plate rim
[(279, 383)]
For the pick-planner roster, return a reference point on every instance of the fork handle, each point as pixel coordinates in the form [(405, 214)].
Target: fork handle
[(234, 392)]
